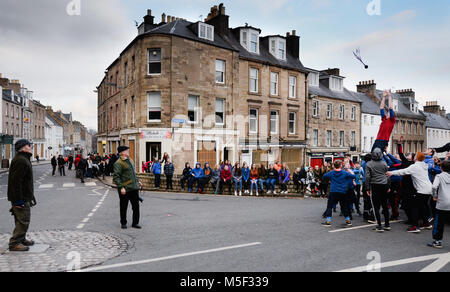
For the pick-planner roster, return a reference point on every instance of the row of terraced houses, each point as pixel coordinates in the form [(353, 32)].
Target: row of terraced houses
[(204, 92)]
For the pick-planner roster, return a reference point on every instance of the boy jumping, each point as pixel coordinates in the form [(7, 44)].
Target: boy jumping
[(387, 123)]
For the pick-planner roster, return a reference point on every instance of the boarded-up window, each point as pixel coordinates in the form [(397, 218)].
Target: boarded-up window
[(207, 152)]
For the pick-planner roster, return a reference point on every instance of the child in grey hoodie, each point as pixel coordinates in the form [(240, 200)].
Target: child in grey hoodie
[(441, 194)]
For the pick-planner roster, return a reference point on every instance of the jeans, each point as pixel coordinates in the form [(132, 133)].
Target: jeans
[(261, 184), (192, 181), (133, 197), (271, 184), (253, 183), (335, 198), (236, 182), (169, 181), (62, 170), (157, 180)]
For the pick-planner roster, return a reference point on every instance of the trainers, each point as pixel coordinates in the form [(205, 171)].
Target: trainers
[(348, 223), (20, 248), (379, 229), (240, 194), (371, 221), (257, 194), (436, 244), (274, 192), (235, 193), (387, 228), (426, 226), (413, 229), (269, 192), (326, 224)]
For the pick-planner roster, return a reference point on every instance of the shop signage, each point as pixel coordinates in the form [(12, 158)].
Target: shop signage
[(156, 135)]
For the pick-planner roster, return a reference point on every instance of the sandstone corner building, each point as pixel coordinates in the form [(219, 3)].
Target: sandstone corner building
[(205, 92)]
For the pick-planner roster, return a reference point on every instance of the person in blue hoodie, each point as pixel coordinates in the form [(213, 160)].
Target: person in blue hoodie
[(359, 174), (246, 178), (338, 192), (156, 170), (197, 175)]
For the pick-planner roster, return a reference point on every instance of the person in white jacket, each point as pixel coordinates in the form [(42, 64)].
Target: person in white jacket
[(441, 194), (419, 201)]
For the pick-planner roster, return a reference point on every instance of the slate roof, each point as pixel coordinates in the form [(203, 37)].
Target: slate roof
[(368, 106), (403, 110), (324, 91), (437, 122), (185, 29)]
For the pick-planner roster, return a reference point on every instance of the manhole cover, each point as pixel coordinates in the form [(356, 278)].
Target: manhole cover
[(58, 251)]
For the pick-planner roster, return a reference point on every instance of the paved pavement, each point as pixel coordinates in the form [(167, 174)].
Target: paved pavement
[(191, 233)]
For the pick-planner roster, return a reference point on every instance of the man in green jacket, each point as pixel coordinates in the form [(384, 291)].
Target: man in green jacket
[(128, 187), (21, 195)]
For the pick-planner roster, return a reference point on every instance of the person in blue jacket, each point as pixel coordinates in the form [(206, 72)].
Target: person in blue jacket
[(197, 175), (339, 179), (246, 178), (156, 170)]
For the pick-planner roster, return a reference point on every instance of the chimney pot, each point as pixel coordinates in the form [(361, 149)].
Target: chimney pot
[(149, 12), (288, 34), (163, 17), (294, 32)]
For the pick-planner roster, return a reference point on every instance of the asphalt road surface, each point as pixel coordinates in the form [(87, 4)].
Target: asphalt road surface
[(201, 233)]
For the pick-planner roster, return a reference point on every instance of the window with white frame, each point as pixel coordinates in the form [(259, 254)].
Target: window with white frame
[(254, 43), (193, 108), (220, 71), (292, 86), (313, 79), (341, 111), (292, 119), (365, 144), (353, 113), (244, 38), (282, 49), (273, 83), (329, 137), (329, 111), (336, 84), (315, 138), (253, 121), (315, 108), (353, 138), (205, 31), (254, 80), (154, 61), (220, 111), (341, 138), (277, 47), (274, 122), (154, 106)]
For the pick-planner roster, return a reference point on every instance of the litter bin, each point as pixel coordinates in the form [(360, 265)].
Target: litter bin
[(5, 163)]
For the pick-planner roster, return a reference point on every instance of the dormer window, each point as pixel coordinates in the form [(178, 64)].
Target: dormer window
[(250, 40), (336, 84), (278, 47), (313, 79), (205, 31)]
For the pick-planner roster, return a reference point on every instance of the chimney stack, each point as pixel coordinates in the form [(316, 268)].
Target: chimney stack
[(433, 107), (293, 44), (149, 21), (163, 18), (218, 19), (368, 88)]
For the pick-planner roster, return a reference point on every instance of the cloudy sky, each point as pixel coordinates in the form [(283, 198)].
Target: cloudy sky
[(62, 58)]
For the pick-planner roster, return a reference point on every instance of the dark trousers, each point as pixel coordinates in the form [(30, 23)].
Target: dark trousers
[(22, 218), (440, 220), (70, 165), (133, 197), (82, 173), (394, 199), (62, 170), (381, 144), (246, 185), (169, 181), (335, 198), (419, 205), (368, 209), (380, 199), (298, 186), (54, 169), (283, 186), (183, 181), (324, 189), (157, 180), (221, 184), (193, 181)]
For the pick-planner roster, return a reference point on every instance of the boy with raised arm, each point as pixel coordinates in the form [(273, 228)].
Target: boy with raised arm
[(387, 123)]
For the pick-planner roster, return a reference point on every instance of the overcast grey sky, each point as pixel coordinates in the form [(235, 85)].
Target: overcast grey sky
[(62, 58)]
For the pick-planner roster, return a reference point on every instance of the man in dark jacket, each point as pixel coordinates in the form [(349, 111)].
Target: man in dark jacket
[(70, 162), (81, 168), (169, 170), (54, 164), (377, 185), (443, 149), (61, 166), (128, 187), (21, 195), (186, 175)]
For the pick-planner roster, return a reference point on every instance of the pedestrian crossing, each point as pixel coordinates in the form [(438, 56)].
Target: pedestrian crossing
[(66, 185)]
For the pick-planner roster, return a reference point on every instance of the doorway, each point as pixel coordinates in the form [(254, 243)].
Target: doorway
[(153, 150)]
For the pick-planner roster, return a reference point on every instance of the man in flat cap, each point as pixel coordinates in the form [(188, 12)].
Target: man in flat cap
[(128, 186), (21, 195)]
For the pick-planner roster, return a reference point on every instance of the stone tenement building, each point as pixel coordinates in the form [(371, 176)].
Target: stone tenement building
[(410, 121), (438, 126), (333, 119), (205, 92)]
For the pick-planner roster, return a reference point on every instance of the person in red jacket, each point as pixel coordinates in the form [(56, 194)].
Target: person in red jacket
[(225, 179), (387, 123), (254, 179)]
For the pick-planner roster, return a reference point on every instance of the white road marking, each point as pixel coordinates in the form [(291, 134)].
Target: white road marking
[(68, 185), (90, 184), (81, 226), (170, 257), (359, 227), (49, 186), (99, 204), (435, 267)]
